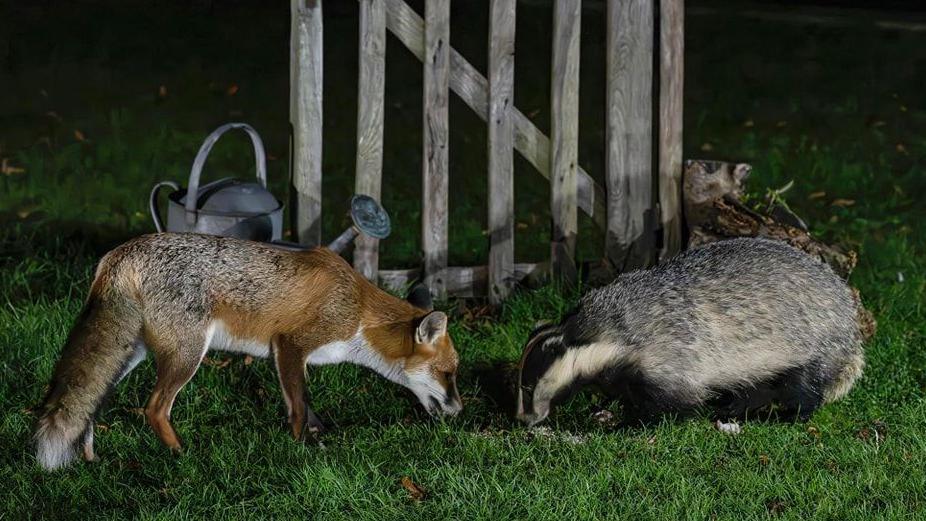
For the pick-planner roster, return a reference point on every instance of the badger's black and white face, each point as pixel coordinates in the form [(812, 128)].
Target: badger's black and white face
[(553, 369), (536, 389)]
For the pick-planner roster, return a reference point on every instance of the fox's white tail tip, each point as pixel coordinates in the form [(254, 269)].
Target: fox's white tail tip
[(54, 449)]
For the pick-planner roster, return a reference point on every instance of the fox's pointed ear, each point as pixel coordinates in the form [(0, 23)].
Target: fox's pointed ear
[(420, 297), (432, 327)]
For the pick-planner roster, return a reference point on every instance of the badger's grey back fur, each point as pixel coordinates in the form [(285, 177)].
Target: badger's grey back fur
[(723, 317)]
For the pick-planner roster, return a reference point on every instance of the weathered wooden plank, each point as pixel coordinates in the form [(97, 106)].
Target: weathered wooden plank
[(473, 87), (370, 94), (305, 115), (630, 238), (671, 81), (434, 163), (465, 281), (501, 148), (564, 137)]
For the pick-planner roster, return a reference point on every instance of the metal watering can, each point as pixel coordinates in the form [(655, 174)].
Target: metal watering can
[(234, 208), (226, 207)]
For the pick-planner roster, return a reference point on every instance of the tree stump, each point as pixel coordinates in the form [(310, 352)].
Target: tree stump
[(714, 210)]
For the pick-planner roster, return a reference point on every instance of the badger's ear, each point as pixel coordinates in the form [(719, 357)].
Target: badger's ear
[(420, 297), (432, 327)]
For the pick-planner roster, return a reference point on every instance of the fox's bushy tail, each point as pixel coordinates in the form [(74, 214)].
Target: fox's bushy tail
[(101, 348)]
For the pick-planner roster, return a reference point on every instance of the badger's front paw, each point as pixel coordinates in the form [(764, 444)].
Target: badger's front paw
[(312, 429)]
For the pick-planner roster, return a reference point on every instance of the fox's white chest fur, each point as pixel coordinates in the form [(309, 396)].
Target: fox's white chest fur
[(218, 338), (355, 350)]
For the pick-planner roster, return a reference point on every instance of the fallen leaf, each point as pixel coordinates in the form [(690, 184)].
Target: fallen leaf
[(248, 360), (53, 115), (901, 148), (79, 136), (834, 219), (903, 108), (217, 363), (26, 211), (162, 91), (522, 226), (707, 147), (775, 506), (879, 123), (880, 427), (102, 427), (476, 312), (232, 89), (764, 460), (843, 202), (816, 195), (748, 123), (136, 410), (7, 169), (813, 431), (781, 124), (533, 113), (271, 157), (416, 492)]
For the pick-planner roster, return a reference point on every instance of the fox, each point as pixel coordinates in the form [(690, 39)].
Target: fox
[(180, 295)]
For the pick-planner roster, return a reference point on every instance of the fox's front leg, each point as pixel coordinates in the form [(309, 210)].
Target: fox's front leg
[(290, 361)]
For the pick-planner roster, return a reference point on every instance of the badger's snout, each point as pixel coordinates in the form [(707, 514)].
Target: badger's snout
[(526, 413)]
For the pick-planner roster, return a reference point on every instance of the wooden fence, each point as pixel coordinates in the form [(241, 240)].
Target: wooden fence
[(640, 210)]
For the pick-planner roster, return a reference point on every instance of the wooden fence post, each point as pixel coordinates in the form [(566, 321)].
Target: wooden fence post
[(370, 94), (501, 149), (436, 137), (630, 238), (472, 87), (564, 134), (671, 85), (305, 115)]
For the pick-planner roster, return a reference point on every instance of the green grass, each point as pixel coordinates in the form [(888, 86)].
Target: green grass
[(821, 106)]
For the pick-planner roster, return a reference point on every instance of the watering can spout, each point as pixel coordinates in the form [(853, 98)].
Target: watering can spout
[(369, 218), (342, 241)]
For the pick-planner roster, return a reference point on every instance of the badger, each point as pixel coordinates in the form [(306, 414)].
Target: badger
[(730, 327)]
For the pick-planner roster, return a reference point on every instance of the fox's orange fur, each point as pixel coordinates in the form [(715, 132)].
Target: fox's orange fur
[(179, 295)]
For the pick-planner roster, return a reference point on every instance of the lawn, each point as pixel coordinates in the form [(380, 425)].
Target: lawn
[(839, 111)]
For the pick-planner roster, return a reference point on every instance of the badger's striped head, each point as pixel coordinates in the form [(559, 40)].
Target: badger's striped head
[(535, 390), (555, 364)]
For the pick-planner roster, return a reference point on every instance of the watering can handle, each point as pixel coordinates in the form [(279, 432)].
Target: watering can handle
[(260, 159), (153, 203)]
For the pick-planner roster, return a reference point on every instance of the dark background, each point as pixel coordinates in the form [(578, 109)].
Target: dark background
[(99, 100)]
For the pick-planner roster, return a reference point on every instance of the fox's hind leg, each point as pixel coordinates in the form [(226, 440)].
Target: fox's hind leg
[(87, 445), (174, 370), (290, 359)]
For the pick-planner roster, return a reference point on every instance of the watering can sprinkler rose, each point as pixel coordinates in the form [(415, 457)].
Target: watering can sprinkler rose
[(247, 210)]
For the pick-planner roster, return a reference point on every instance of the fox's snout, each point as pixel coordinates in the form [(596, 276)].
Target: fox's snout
[(449, 405)]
